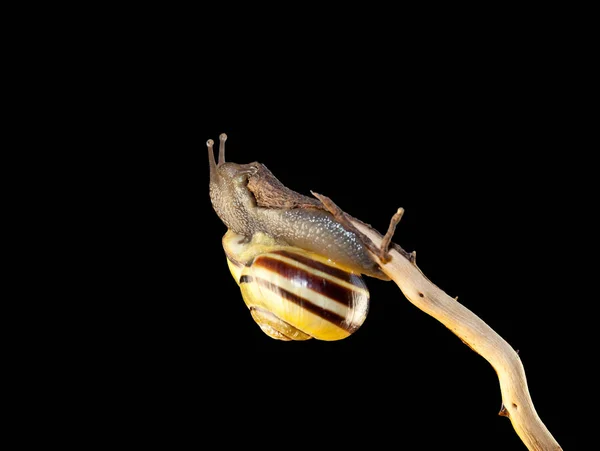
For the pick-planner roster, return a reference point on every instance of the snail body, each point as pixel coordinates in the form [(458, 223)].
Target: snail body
[(299, 270)]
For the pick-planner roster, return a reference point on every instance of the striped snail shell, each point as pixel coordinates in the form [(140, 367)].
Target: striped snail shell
[(294, 294)]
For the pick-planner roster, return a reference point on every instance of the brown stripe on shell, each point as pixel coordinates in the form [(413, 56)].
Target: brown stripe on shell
[(331, 270), (327, 315), (326, 287), (245, 279)]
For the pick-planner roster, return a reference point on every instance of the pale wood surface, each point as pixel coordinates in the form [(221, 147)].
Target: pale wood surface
[(476, 334)]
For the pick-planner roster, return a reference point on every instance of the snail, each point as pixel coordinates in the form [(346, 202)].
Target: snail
[(298, 268)]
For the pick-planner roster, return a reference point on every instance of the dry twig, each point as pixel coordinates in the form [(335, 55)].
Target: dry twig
[(402, 269)]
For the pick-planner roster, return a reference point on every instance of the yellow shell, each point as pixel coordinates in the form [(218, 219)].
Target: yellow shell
[(294, 294)]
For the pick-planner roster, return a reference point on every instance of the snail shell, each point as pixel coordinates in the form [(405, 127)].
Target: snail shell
[(294, 294)]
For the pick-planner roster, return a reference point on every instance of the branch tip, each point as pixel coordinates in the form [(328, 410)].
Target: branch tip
[(328, 204), (384, 255)]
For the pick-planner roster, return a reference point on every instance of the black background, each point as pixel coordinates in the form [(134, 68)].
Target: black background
[(486, 208), (480, 124), (480, 152), (481, 212)]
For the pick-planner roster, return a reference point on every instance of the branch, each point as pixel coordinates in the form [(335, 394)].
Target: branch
[(475, 333)]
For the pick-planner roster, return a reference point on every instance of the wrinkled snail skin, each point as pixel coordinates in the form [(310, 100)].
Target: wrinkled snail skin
[(294, 294), (311, 229), (230, 197), (298, 269)]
